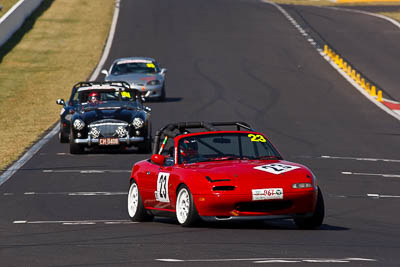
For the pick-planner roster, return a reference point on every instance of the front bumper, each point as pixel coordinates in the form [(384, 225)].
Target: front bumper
[(154, 91), (229, 205), (95, 141)]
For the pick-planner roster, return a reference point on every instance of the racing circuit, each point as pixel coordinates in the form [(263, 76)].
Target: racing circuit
[(238, 60)]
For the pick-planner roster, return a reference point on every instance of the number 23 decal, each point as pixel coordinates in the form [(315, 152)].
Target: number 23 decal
[(257, 138), (162, 187)]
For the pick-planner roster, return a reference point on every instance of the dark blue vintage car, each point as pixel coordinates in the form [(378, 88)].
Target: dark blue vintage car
[(106, 114)]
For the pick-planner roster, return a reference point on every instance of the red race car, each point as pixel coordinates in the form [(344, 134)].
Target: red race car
[(198, 171)]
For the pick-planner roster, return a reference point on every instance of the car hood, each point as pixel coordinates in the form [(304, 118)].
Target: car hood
[(135, 78), (251, 170)]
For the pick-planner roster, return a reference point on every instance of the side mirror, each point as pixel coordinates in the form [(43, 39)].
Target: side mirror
[(60, 102), (105, 72), (163, 71), (158, 159)]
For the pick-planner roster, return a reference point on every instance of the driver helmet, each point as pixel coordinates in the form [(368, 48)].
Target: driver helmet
[(93, 97), (189, 148)]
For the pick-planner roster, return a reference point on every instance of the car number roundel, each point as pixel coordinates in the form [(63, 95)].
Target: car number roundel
[(162, 187), (276, 168)]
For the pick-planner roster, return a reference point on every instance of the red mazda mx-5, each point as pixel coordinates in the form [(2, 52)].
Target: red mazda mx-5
[(198, 171)]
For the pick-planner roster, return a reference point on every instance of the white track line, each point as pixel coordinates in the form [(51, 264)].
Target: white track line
[(107, 48), (385, 175), (87, 171), (369, 195), (361, 159), (341, 72), (34, 149), (73, 193), (274, 260), (81, 222)]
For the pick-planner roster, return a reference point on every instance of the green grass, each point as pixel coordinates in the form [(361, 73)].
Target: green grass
[(58, 46)]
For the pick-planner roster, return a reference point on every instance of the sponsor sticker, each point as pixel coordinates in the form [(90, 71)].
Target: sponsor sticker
[(276, 168), (162, 187), (267, 193)]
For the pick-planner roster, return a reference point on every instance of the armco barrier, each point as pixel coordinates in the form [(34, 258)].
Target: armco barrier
[(15, 17)]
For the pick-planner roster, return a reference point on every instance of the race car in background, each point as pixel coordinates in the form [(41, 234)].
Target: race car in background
[(105, 114), (198, 171), (142, 73)]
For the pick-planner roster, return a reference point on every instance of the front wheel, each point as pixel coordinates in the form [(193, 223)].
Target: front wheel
[(63, 137), (186, 211), (145, 147), (75, 148), (317, 218), (163, 94), (136, 209)]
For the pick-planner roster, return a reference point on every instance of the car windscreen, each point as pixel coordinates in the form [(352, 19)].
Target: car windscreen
[(134, 67), (103, 96), (225, 146)]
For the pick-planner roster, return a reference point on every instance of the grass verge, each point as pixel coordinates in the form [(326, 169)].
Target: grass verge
[(59, 45), (6, 5)]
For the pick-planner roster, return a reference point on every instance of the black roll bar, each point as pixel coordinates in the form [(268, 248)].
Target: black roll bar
[(170, 129)]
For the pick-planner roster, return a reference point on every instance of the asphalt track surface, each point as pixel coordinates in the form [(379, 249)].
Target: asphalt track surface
[(226, 60), (369, 43)]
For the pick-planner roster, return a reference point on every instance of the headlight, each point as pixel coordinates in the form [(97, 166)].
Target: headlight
[(302, 185), (137, 123), (79, 124), (153, 82)]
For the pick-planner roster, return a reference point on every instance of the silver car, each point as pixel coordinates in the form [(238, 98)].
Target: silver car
[(142, 73)]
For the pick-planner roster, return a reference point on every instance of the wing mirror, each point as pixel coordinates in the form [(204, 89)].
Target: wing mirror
[(158, 159), (105, 72), (163, 71), (60, 102)]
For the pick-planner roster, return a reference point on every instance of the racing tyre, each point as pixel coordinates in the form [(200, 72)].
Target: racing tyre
[(136, 210), (63, 137), (162, 96), (186, 211), (75, 148), (145, 147), (317, 218)]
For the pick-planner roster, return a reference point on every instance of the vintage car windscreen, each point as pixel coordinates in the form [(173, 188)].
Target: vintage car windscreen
[(104, 96), (134, 67), (225, 146)]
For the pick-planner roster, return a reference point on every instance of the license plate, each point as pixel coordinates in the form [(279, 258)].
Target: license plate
[(108, 141), (267, 193)]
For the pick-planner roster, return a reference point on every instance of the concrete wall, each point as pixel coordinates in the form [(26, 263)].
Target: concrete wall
[(15, 17)]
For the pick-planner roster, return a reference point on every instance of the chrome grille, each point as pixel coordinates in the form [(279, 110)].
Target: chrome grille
[(108, 128)]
